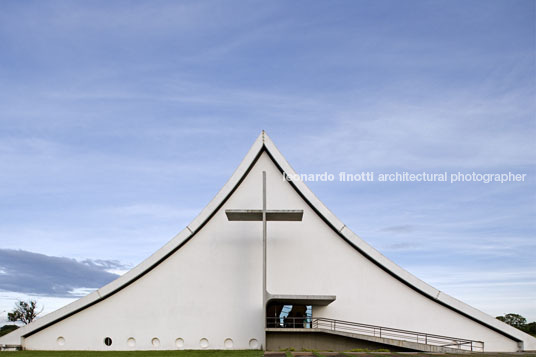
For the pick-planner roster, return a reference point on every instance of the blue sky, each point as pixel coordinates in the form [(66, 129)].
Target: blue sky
[(120, 120)]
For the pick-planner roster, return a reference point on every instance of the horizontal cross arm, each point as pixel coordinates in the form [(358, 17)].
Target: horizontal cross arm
[(256, 215)]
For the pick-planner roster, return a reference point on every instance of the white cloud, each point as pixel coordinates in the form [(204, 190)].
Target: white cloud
[(80, 292)]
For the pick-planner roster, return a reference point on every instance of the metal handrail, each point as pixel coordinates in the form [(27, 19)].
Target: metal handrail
[(376, 331)]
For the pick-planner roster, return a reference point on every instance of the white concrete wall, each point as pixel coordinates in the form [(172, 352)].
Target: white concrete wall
[(211, 288)]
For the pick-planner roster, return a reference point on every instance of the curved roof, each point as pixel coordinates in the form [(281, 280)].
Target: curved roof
[(264, 144)]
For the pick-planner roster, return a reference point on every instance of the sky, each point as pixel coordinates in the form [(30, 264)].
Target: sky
[(120, 120)]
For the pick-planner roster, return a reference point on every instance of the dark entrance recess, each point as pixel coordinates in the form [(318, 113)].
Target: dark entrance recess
[(281, 315)]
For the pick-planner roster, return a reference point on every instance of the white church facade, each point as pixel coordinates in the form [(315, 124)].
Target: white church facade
[(262, 245)]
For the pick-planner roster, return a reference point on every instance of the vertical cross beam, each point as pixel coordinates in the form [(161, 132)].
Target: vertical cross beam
[(264, 289), (264, 215)]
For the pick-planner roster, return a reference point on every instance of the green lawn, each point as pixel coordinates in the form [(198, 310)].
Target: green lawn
[(214, 353), (133, 353)]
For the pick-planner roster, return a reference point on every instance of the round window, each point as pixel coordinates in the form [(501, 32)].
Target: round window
[(108, 341)]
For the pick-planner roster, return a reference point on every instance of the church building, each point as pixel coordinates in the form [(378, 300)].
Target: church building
[(265, 265)]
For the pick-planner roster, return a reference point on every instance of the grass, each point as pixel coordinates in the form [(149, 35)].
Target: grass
[(208, 353), (246, 353)]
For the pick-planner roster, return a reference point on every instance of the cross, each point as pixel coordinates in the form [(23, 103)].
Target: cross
[(264, 215)]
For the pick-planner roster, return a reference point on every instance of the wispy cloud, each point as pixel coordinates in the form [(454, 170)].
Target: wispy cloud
[(456, 131), (158, 211), (406, 228), (493, 290)]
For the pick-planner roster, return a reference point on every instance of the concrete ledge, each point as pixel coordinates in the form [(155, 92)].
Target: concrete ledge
[(256, 215), (317, 300)]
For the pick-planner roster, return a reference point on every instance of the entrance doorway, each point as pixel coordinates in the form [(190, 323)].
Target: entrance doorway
[(281, 315)]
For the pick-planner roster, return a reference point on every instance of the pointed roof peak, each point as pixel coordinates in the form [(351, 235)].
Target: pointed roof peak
[(263, 139)]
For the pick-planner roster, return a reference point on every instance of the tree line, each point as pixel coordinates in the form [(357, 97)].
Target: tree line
[(519, 322)]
